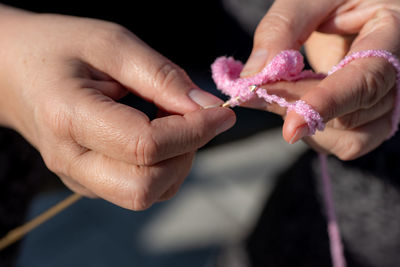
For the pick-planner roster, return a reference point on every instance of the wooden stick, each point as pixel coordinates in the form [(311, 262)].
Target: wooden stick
[(19, 232)]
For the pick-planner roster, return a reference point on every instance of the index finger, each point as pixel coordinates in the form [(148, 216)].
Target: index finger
[(287, 25), (126, 134)]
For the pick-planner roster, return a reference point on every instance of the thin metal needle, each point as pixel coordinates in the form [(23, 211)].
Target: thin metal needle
[(252, 88), (226, 104)]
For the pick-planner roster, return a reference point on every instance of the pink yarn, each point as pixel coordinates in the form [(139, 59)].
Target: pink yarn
[(288, 66), (335, 242)]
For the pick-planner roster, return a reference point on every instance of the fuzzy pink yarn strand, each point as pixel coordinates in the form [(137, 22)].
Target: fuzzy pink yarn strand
[(335, 242), (288, 66)]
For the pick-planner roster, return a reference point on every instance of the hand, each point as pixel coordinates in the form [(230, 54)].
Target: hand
[(356, 101), (60, 78)]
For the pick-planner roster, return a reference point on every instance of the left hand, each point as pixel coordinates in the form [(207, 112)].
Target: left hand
[(60, 81), (356, 101)]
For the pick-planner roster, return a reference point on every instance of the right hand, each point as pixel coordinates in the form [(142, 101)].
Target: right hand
[(60, 78), (357, 101)]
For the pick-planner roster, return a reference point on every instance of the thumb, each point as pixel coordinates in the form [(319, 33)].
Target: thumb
[(145, 72), (287, 25)]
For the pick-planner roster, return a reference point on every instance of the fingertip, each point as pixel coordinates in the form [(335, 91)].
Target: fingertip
[(255, 63), (182, 101), (204, 99), (294, 128)]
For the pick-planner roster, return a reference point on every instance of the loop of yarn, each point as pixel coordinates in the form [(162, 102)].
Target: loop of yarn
[(288, 66)]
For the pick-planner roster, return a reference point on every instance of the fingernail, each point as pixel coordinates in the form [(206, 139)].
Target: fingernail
[(228, 123), (204, 99), (301, 131), (255, 63)]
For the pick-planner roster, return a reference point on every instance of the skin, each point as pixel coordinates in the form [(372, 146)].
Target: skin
[(356, 101), (60, 80)]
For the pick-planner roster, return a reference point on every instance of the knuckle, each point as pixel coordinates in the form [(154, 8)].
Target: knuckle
[(348, 148), (145, 149), (373, 87), (111, 38), (278, 24), (53, 160), (388, 15), (349, 121), (141, 201), (170, 193), (141, 197), (373, 81), (77, 187), (63, 161), (54, 128), (166, 74), (111, 35), (53, 119)]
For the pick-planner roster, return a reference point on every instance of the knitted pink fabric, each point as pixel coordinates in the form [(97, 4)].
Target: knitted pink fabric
[(288, 66)]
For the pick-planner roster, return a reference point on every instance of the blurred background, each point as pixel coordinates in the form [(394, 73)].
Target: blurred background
[(250, 199)]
